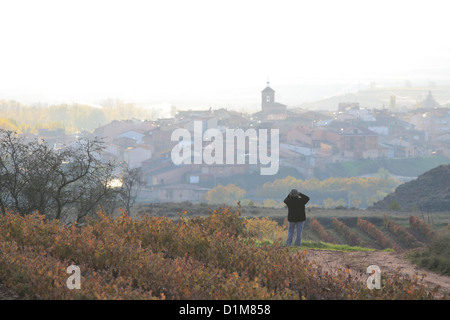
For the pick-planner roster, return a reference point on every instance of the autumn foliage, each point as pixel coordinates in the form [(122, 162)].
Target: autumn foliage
[(418, 224), (376, 234), (344, 231), (322, 233), (212, 257), (403, 236)]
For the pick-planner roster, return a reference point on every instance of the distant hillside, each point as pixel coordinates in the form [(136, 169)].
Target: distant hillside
[(379, 97), (429, 192), (408, 167)]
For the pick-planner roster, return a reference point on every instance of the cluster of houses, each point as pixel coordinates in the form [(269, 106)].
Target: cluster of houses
[(308, 140)]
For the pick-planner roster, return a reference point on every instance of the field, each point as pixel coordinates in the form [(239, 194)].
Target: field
[(399, 240), (325, 217), (226, 254)]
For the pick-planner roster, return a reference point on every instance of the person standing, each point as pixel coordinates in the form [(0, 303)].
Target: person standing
[(295, 202)]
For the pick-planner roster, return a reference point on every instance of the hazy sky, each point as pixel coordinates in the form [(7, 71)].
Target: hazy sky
[(174, 48)]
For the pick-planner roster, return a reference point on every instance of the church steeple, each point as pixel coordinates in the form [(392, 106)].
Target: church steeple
[(267, 96), (269, 106)]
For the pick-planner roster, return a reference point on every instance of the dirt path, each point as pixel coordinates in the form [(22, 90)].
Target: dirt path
[(390, 262)]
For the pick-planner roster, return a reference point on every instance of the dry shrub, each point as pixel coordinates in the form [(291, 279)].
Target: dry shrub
[(214, 257)]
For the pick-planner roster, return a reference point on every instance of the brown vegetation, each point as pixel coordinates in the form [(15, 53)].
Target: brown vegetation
[(213, 257)]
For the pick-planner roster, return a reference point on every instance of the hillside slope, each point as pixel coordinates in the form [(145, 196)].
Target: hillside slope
[(429, 192)]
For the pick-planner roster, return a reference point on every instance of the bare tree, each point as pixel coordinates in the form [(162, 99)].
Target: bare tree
[(35, 177), (12, 184), (131, 185)]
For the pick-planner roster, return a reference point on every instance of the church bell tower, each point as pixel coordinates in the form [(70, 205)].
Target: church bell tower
[(267, 97)]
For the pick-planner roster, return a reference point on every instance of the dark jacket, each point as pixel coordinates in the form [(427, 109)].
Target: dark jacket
[(296, 207)]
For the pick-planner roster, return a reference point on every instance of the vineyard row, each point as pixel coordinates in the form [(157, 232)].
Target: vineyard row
[(366, 234)]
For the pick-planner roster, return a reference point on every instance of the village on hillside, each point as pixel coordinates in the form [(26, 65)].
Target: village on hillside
[(308, 142)]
